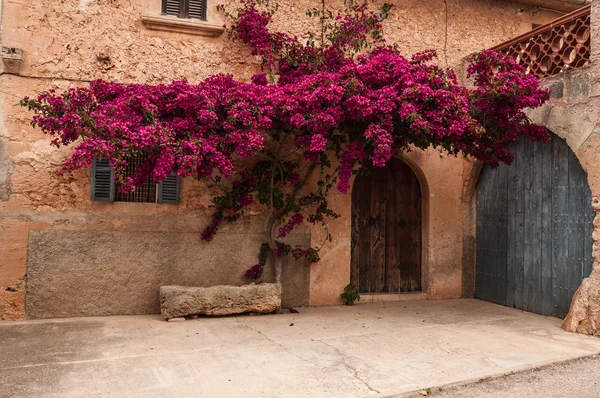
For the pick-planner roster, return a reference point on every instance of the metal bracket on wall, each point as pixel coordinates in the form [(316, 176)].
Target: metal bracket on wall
[(12, 58)]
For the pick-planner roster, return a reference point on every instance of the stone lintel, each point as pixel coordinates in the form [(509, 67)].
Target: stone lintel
[(179, 25)]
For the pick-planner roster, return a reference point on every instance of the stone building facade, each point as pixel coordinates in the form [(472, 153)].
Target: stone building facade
[(62, 254)]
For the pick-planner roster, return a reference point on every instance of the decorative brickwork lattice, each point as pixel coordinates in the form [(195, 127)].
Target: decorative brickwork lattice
[(561, 45)]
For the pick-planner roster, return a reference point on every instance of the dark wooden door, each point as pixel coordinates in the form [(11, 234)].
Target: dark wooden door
[(534, 229), (386, 230)]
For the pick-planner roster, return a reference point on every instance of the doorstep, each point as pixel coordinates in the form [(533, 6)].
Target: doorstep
[(389, 297)]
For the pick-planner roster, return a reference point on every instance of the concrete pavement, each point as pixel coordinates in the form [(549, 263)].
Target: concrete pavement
[(577, 378), (376, 349)]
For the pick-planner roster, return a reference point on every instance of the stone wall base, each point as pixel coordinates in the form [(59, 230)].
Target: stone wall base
[(100, 273)]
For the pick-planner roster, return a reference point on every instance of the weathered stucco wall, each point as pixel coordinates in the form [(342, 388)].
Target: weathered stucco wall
[(70, 42)]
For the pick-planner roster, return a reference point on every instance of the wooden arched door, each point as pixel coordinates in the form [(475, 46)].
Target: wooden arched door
[(386, 230), (534, 229)]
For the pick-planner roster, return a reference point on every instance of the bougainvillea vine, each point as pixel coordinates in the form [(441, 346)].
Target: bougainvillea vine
[(256, 271), (321, 111)]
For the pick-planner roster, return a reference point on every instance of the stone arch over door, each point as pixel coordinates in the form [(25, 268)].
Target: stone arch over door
[(534, 229), (386, 237)]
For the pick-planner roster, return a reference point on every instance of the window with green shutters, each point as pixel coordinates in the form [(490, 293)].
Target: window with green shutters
[(104, 189), (195, 9)]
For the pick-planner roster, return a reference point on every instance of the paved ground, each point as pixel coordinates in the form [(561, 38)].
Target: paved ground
[(578, 378), (377, 349)]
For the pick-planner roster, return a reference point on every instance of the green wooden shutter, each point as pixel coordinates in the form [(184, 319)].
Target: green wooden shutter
[(172, 7), (197, 9), (168, 190), (103, 181)]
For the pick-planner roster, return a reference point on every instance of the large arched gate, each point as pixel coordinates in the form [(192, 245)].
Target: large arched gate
[(534, 229), (386, 230)]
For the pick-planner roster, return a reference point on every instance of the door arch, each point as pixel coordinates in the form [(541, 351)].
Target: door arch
[(534, 229), (386, 230)]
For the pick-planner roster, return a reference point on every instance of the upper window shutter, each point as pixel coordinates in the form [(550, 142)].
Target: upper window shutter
[(103, 181), (197, 9), (168, 190), (172, 7)]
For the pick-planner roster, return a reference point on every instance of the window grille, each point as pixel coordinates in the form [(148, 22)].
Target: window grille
[(145, 193)]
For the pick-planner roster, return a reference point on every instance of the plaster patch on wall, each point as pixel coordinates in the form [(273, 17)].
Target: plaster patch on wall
[(6, 163), (83, 4), (6, 168)]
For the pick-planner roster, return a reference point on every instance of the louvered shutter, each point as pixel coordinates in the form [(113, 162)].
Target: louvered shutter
[(103, 183), (172, 7), (197, 9), (168, 190)]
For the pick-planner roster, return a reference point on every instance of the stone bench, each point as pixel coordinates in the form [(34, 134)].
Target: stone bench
[(179, 301)]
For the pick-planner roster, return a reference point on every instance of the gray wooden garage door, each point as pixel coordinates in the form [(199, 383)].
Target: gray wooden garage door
[(534, 229)]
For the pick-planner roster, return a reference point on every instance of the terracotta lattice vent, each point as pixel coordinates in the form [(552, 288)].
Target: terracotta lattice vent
[(561, 45)]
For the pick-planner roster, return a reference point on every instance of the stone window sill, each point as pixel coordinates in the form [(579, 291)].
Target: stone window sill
[(179, 25)]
